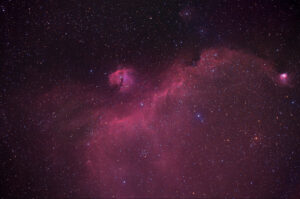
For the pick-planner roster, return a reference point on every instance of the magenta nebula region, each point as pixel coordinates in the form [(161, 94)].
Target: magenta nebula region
[(208, 130), (123, 78), (150, 99)]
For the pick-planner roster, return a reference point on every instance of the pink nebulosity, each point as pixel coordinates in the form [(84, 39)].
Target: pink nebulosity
[(197, 133), (153, 140), (123, 78), (283, 76), (284, 79)]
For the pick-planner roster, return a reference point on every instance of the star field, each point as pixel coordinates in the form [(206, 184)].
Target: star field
[(150, 99)]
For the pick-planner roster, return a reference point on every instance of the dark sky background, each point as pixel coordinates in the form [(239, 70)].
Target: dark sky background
[(75, 75)]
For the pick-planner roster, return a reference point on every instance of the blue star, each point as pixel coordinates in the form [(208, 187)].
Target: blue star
[(200, 117)]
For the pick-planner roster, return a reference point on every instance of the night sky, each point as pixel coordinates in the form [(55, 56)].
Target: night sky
[(150, 99)]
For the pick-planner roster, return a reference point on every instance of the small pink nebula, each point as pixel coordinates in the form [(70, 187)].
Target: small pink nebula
[(283, 76), (123, 78), (284, 79)]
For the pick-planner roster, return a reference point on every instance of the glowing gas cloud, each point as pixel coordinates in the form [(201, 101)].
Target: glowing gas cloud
[(203, 131), (123, 78)]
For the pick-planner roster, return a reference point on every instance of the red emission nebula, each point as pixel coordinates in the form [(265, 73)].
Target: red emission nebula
[(202, 131)]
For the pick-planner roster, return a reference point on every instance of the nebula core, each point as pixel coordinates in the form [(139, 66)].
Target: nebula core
[(123, 78), (209, 120)]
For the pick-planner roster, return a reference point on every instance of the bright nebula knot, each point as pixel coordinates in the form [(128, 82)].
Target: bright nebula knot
[(123, 78)]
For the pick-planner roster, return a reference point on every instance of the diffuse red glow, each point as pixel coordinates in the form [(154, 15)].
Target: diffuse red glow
[(181, 132)]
